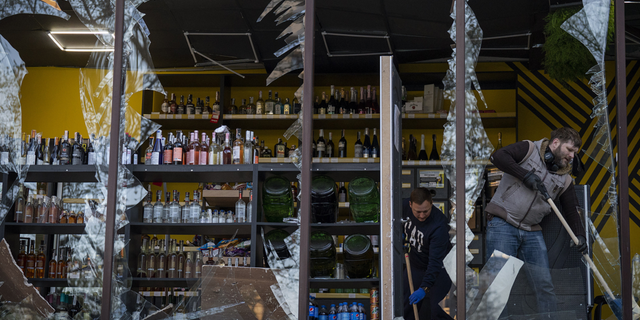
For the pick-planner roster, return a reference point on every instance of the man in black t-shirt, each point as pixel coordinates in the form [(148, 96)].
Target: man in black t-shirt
[(427, 232)]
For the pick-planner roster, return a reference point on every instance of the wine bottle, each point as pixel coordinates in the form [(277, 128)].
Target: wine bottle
[(167, 157), (344, 104), (321, 145), (173, 106), (375, 147), (411, 154), (366, 147), (204, 150), (330, 147), (362, 108), (434, 150), (357, 150), (322, 108), (332, 105), (241, 208), (238, 148), (227, 154), (156, 153), (499, 141), (353, 102), (178, 149), (342, 146), (423, 153), (190, 108)]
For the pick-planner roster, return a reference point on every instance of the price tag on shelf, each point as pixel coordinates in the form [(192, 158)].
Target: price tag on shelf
[(178, 116), (162, 116), (355, 116), (148, 116), (228, 116), (431, 115), (205, 116), (325, 160), (158, 293), (269, 116), (282, 116), (356, 160), (368, 116), (316, 160), (422, 162), (371, 160), (169, 116), (274, 160), (251, 116), (352, 295), (146, 293), (191, 116), (411, 163), (322, 116), (411, 115), (334, 116), (334, 160), (432, 162), (346, 116)]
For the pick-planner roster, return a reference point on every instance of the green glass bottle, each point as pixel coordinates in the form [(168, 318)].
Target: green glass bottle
[(323, 255), (324, 200), (364, 200), (276, 238), (277, 202), (358, 256)]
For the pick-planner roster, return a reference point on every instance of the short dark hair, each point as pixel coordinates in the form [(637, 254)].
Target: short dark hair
[(420, 195), (566, 134)]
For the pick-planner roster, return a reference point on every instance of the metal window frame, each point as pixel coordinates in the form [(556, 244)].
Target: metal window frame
[(353, 35)]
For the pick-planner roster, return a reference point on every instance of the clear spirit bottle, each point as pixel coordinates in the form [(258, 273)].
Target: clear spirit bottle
[(241, 208)]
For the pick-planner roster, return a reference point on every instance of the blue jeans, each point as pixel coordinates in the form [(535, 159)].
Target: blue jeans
[(528, 246)]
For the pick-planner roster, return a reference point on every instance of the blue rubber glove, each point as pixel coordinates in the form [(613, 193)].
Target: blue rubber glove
[(417, 296)]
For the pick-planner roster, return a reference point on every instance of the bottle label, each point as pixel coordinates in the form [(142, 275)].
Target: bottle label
[(195, 215), (268, 107), (342, 197), (91, 158), (155, 158), (31, 157), (357, 151), (175, 215), (365, 152), (157, 215), (177, 155), (312, 311), (203, 157), (168, 156), (323, 317), (280, 151), (320, 147), (236, 154), (4, 158), (191, 157), (374, 152)]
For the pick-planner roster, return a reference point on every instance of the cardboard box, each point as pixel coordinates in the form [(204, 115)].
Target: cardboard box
[(413, 106), (428, 102)]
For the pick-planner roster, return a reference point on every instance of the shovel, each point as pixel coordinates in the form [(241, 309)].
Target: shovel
[(415, 307), (614, 304)]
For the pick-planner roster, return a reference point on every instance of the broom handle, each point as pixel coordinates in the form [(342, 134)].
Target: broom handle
[(586, 256), (415, 307)]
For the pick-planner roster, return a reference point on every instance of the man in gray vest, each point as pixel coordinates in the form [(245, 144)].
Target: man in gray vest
[(517, 206)]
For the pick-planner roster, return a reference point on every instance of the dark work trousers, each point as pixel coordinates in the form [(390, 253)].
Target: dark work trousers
[(428, 308)]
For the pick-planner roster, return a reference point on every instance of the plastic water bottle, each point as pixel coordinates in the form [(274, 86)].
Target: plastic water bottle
[(322, 314), (353, 311), (333, 313), (313, 309), (363, 315)]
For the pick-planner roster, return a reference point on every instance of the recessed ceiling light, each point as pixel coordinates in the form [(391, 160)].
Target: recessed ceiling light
[(84, 32)]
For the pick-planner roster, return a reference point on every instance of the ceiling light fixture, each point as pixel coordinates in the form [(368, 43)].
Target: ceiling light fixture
[(63, 48)]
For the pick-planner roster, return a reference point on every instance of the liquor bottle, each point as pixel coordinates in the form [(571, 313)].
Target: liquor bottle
[(269, 105), (186, 209), (31, 262), (375, 147), (166, 209), (174, 208), (332, 104), (80, 217), (238, 148), (188, 266), (279, 149), (173, 106), (20, 204), (342, 193), (165, 106), (4, 150), (294, 194), (404, 149), (213, 150), (316, 105), (286, 107), (342, 146), (61, 268), (149, 151), (329, 147), (40, 211), (344, 104), (216, 104), (296, 105), (41, 259), (156, 153), (423, 153), (194, 149), (434, 150), (172, 260), (362, 108), (369, 102), (321, 147), (28, 210), (322, 108), (180, 264), (260, 104), (64, 217), (232, 109), (65, 149), (21, 260), (199, 106), (248, 148), (147, 216), (411, 155), (227, 154), (251, 107), (142, 259), (161, 262), (91, 153), (40, 150), (499, 141), (181, 107), (278, 107), (190, 108), (198, 265), (152, 258), (55, 152), (256, 150), (357, 150), (177, 149), (54, 210), (204, 150), (157, 208), (266, 152), (249, 211), (167, 156), (241, 208), (31, 150), (375, 107), (72, 217), (196, 209), (366, 147)]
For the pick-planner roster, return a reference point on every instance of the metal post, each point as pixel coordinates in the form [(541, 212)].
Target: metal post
[(114, 158), (307, 136), (623, 161), (460, 157)]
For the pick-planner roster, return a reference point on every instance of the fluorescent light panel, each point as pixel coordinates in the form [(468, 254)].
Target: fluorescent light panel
[(102, 49)]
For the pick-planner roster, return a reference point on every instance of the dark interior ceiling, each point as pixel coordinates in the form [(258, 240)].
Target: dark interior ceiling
[(417, 31)]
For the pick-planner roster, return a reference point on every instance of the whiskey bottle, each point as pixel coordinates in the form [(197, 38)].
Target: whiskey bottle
[(206, 109), (64, 217), (342, 146), (269, 105), (278, 107), (30, 264), (65, 149), (72, 217), (260, 104), (241, 208), (41, 260), (323, 106), (279, 149), (321, 145), (286, 107), (238, 148), (266, 152), (165, 107), (61, 268), (181, 106), (232, 109), (423, 153), (28, 210), (251, 107), (190, 108), (180, 260), (80, 217), (357, 150), (21, 261), (434, 150), (53, 263)]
